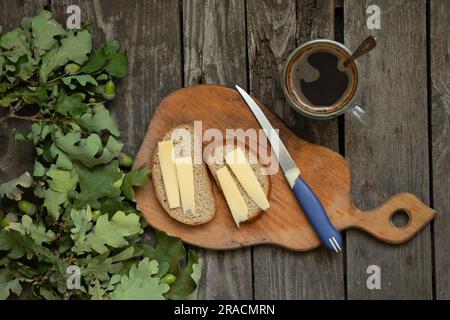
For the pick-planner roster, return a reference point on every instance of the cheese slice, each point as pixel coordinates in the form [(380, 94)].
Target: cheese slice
[(185, 175), (238, 163), (166, 156), (234, 198)]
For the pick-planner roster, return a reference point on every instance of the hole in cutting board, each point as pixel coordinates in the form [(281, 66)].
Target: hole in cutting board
[(400, 219)]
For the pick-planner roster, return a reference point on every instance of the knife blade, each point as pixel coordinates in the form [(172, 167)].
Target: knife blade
[(308, 200)]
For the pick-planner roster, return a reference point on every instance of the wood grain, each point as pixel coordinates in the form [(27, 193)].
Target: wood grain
[(281, 273), (215, 52), (15, 157), (283, 223), (440, 124), (393, 155)]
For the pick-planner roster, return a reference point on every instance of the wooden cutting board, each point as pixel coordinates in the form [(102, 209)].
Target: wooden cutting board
[(284, 224)]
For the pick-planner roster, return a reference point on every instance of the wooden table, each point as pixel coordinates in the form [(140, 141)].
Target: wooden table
[(405, 88)]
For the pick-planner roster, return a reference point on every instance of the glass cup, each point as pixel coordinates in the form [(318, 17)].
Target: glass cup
[(344, 104)]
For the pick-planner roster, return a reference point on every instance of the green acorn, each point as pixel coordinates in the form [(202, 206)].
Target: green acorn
[(4, 223), (169, 279), (72, 68), (27, 207), (109, 91), (125, 160), (10, 217)]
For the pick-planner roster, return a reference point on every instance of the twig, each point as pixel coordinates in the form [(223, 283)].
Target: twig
[(36, 118), (32, 119), (57, 78), (96, 103), (19, 105)]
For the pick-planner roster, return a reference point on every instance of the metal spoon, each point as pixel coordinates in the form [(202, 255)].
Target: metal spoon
[(367, 45)]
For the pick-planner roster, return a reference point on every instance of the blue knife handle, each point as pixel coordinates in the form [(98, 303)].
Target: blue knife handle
[(317, 216)]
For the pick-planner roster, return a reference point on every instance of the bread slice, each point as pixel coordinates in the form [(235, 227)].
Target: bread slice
[(205, 205), (216, 160)]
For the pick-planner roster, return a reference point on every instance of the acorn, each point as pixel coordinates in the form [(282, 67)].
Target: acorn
[(169, 279), (109, 90), (10, 217), (27, 207), (72, 68), (4, 223), (125, 160)]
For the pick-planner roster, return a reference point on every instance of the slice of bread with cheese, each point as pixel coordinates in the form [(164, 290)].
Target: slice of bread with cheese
[(222, 171), (182, 186)]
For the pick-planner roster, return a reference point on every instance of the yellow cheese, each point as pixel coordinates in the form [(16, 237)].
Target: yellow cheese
[(166, 156), (238, 163), (185, 175), (234, 198)]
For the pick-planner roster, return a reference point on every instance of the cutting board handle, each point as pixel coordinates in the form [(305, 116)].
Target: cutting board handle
[(379, 223)]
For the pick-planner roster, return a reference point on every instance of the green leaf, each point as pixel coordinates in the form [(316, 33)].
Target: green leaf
[(16, 243), (108, 58), (53, 201), (70, 105), (8, 99), (117, 64), (95, 62), (18, 136), (184, 285), (97, 184), (62, 159), (37, 232), (11, 189), (98, 267), (97, 119), (39, 169), (75, 47), (111, 206), (138, 177), (123, 255), (48, 294), (82, 224), (32, 95), (61, 182), (168, 249), (9, 283), (82, 79), (111, 232), (89, 151), (196, 275), (16, 44), (141, 284), (96, 291), (111, 47), (44, 30), (27, 67)]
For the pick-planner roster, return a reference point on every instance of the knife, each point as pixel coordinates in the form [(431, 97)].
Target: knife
[(308, 200)]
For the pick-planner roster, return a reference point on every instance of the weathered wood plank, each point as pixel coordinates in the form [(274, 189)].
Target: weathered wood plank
[(150, 31), (274, 30), (215, 52), (15, 156), (393, 155), (440, 99)]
